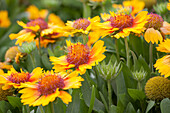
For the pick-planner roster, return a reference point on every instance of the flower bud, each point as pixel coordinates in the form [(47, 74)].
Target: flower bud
[(161, 8), (109, 71), (27, 47), (139, 75), (11, 53)]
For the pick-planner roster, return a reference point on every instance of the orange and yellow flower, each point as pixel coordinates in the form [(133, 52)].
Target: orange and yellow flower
[(154, 26), (82, 25), (123, 24), (14, 78), (5, 65), (163, 64), (4, 20), (133, 7), (37, 28), (35, 13), (79, 57), (50, 86)]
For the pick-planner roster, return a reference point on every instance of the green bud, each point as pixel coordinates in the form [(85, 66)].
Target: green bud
[(139, 75), (161, 8), (109, 71), (27, 47)]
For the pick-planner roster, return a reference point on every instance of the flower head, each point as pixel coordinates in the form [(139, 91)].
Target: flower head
[(82, 25), (4, 93), (14, 78), (156, 23), (50, 86), (80, 57), (4, 20), (38, 28), (35, 13), (11, 53), (123, 24), (157, 88)]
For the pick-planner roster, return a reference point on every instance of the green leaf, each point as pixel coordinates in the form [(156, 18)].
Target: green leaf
[(74, 106), (46, 62), (83, 107), (9, 111), (15, 101), (86, 91), (123, 100), (4, 106), (113, 109), (50, 52), (136, 94), (165, 105), (150, 105), (92, 99), (104, 101), (130, 108)]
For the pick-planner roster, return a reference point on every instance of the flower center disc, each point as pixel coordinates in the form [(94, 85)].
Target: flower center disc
[(40, 22), (81, 23), (50, 83), (19, 77), (155, 21), (78, 54), (121, 21)]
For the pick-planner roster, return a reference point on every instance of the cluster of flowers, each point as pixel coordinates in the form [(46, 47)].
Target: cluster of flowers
[(42, 87)]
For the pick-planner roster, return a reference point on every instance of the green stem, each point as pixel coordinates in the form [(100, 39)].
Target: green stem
[(39, 46), (84, 38), (109, 94), (52, 107), (41, 109), (127, 52), (139, 86), (151, 56), (32, 59), (117, 50), (86, 10)]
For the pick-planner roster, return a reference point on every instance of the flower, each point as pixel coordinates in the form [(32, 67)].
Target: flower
[(56, 20), (37, 28), (82, 25), (135, 5), (11, 53), (35, 13), (157, 88), (50, 86), (164, 46), (163, 65), (4, 93), (122, 24), (14, 78), (4, 20), (79, 56), (168, 5), (5, 65), (156, 23)]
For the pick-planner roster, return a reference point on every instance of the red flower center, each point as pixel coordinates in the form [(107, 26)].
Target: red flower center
[(19, 77), (40, 22), (155, 21), (49, 84), (78, 54), (81, 23), (121, 21)]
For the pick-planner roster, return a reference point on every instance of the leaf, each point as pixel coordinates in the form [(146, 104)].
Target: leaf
[(15, 101), (130, 108), (4, 106), (136, 94), (46, 62), (92, 99), (50, 52), (165, 105), (83, 107), (74, 106), (86, 91), (150, 105), (113, 109)]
